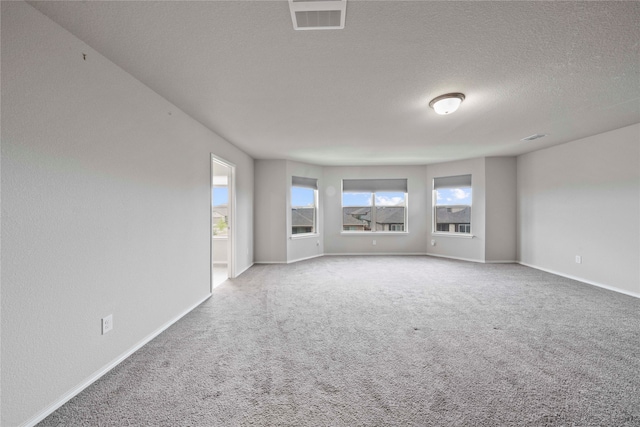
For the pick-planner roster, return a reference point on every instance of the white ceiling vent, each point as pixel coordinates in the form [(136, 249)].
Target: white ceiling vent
[(532, 137), (318, 14)]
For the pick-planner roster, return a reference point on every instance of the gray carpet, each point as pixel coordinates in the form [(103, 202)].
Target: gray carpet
[(383, 341)]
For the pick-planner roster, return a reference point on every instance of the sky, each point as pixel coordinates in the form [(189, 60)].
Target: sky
[(301, 197), (364, 199), (220, 196), (453, 196)]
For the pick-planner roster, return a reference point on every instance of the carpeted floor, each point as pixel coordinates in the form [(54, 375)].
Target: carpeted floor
[(383, 341)]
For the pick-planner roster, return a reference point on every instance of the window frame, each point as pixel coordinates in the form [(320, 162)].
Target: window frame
[(373, 207), (456, 181), (310, 184)]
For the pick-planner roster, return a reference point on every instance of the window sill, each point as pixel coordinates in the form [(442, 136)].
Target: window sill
[(456, 235), (375, 233), (303, 236), (220, 237)]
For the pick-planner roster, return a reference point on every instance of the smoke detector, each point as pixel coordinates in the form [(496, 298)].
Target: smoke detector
[(318, 14)]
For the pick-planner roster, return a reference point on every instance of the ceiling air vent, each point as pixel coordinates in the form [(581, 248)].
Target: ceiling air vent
[(318, 14), (532, 137)]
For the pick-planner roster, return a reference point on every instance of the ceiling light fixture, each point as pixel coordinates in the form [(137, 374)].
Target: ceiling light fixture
[(447, 104)]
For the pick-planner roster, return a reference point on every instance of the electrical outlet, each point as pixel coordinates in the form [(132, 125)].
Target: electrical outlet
[(433, 242), (578, 259), (374, 243), (107, 324)]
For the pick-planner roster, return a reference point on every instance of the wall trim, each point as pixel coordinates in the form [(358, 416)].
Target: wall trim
[(304, 259), (579, 279), (377, 254), (270, 262), (513, 261), (245, 269), (105, 369), (457, 258)]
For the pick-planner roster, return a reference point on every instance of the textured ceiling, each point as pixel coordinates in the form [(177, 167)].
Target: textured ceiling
[(360, 95)]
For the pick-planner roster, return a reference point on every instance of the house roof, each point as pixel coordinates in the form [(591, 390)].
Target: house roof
[(461, 216), (384, 215), (302, 217), (220, 211), (359, 96)]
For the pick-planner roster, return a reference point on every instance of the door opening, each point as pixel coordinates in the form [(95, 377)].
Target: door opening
[(222, 220)]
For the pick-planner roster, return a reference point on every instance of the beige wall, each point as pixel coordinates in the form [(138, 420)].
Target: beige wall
[(270, 214), (583, 198), (500, 209), (105, 210)]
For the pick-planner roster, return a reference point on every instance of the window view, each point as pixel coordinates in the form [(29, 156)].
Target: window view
[(220, 210), (303, 205), (452, 204), (374, 205)]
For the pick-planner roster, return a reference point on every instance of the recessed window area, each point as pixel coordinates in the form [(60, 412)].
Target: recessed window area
[(374, 205), (452, 196), (304, 204)]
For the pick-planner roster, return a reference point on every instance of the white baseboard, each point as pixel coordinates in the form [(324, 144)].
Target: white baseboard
[(100, 372), (270, 262), (376, 254), (456, 258), (245, 269), (579, 279), (305, 258), (502, 261)]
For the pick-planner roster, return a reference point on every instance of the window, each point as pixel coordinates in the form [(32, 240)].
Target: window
[(304, 201), (220, 209), (452, 204), (374, 205)]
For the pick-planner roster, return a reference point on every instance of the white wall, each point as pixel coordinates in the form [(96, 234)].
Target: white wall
[(105, 210), (311, 245), (583, 198), (455, 246), (413, 242), (270, 214), (500, 209)]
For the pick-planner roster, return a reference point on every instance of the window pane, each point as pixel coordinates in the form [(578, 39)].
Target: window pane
[(356, 199), (453, 210), (390, 199), (389, 218), (453, 196), (302, 197), (303, 210), (356, 219), (220, 211)]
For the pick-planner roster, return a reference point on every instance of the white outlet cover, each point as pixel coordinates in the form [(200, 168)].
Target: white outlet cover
[(107, 324)]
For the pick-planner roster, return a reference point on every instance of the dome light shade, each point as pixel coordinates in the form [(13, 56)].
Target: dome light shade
[(447, 104)]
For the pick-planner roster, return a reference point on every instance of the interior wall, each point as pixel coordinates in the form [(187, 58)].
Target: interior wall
[(311, 245), (452, 245), (583, 198), (500, 209), (105, 210), (337, 242), (270, 215)]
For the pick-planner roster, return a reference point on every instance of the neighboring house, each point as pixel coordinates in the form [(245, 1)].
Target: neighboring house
[(220, 220), (302, 220), (453, 219), (388, 218)]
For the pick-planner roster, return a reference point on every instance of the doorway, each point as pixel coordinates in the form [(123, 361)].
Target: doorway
[(222, 220)]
